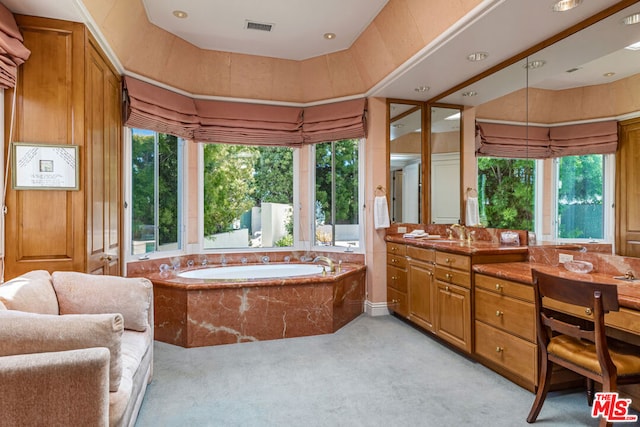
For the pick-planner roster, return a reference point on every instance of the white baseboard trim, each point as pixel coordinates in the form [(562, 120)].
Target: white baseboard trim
[(376, 308)]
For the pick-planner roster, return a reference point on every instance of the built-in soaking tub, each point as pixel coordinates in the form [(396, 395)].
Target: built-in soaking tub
[(208, 305)]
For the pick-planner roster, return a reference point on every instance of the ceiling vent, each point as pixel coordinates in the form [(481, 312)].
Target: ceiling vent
[(260, 26)]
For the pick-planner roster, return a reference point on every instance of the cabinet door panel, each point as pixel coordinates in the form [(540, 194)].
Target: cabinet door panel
[(454, 315), (421, 294)]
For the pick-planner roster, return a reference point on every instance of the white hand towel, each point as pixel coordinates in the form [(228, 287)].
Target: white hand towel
[(473, 214), (380, 212)]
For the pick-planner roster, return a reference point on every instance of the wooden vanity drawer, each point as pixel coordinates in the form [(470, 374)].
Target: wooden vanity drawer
[(456, 277), (396, 249), (460, 262), (422, 254), (509, 314), (397, 278), (505, 287), (510, 352), (397, 302), (397, 260)]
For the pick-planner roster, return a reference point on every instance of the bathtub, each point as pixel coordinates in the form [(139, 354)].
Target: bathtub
[(251, 271), (239, 303)]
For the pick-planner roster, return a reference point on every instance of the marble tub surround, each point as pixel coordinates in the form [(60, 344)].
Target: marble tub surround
[(142, 268), (200, 312)]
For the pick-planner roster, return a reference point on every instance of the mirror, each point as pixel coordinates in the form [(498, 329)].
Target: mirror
[(589, 76), (405, 161), (444, 143)]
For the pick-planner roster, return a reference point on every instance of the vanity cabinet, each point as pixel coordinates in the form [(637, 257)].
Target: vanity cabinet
[(453, 299), (505, 331), (421, 286), (397, 297)]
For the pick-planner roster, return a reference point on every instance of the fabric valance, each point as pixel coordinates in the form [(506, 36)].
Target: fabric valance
[(150, 107), (541, 142), (161, 110), (12, 50)]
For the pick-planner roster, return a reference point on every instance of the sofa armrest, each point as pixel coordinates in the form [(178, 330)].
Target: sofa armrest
[(57, 388), (82, 293)]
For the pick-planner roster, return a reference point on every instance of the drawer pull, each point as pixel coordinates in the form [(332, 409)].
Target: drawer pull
[(395, 301), (498, 287), (499, 349), (393, 248), (448, 260), (394, 277), (587, 311), (430, 273), (393, 260), (499, 313), (448, 276), (446, 288)]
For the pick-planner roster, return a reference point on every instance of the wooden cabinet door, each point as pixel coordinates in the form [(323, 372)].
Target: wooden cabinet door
[(103, 130), (421, 294), (453, 308), (628, 190)]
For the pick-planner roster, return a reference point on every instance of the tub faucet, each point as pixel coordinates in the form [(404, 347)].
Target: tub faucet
[(332, 268)]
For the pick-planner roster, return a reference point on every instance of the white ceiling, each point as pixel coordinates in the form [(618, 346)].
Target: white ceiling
[(503, 28)]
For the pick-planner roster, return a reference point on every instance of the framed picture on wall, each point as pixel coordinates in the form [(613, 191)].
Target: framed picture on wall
[(44, 166)]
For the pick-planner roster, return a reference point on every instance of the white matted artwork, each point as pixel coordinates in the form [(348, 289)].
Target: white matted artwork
[(44, 166)]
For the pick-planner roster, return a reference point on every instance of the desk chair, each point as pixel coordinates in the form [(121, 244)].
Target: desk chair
[(578, 345)]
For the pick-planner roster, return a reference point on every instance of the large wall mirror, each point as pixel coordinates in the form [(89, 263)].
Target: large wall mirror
[(589, 77), (405, 161)]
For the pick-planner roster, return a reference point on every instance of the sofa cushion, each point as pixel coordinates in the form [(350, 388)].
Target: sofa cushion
[(87, 293), (30, 292), (22, 333)]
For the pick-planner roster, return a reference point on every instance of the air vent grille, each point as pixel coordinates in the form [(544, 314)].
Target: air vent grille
[(259, 26)]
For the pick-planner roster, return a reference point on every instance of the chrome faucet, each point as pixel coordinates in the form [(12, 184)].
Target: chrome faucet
[(462, 230), (332, 267)]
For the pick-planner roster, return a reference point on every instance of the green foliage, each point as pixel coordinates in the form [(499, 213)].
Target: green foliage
[(506, 192), (167, 189), (143, 190), (273, 176), (228, 185)]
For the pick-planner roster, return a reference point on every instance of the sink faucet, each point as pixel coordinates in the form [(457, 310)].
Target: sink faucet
[(332, 268), (462, 230)]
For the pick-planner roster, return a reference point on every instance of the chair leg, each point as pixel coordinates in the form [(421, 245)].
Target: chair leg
[(543, 388), (608, 384), (590, 389)]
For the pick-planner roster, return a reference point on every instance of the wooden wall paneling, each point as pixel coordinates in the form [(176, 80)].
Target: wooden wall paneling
[(628, 189)]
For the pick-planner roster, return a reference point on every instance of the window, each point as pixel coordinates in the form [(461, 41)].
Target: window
[(337, 194), (580, 194), (156, 169), (506, 192), (248, 196)]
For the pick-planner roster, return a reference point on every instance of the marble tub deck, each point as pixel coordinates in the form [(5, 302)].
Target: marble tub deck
[(200, 312)]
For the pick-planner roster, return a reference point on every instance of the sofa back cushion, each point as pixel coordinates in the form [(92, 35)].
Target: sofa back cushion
[(31, 292), (22, 333), (87, 293)]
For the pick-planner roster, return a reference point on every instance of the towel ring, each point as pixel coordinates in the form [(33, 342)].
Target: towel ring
[(380, 191), (471, 192)]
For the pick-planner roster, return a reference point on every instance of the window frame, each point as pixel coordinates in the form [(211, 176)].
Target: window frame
[(183, 155), (361, 211)]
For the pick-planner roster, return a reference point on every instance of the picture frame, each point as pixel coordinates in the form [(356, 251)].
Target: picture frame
[(44, 166)]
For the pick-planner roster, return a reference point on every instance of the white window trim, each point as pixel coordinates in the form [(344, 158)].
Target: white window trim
[(361, 208)]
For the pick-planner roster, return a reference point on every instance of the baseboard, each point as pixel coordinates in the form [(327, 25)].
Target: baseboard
[(376, 308)]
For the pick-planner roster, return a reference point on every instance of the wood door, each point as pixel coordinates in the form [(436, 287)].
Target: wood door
[(421, 294), (103, 164), (453, 321), (628, 189)]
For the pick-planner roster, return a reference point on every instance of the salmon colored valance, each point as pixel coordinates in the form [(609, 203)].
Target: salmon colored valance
[(539, 142), (12, 50), (154, 108)]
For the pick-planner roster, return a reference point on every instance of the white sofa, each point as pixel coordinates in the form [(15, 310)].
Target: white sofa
[(75, 349)]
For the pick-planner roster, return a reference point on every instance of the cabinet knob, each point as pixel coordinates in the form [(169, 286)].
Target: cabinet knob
[(499, 313), (447, 260), (430, 273), (446, 288), (499, 349), (498, 287), (393, 249), (587, 311), (393, 260), (394, 277), (448, 276), (394, 301)]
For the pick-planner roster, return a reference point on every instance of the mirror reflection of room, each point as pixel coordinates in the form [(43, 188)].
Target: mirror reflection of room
[(445, 165)]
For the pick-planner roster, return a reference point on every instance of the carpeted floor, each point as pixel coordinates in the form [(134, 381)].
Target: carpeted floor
[(376, 371)]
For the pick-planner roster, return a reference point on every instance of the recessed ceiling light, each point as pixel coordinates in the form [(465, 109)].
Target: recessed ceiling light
[(422, 88), (609, 74), (329, 36), (532, 65), (470, 93), (564, 5), (180, 14), (477, 56), (631, 19)]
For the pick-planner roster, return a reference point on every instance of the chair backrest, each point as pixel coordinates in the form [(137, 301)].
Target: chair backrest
[(601, 298)]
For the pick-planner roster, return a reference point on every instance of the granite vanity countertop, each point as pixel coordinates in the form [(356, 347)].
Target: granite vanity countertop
[(479, 247), (628, 292)]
